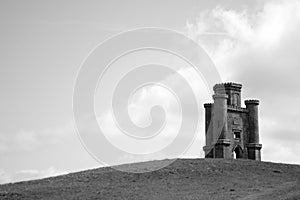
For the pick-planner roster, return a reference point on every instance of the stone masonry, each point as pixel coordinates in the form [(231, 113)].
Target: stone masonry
[(231, 130)]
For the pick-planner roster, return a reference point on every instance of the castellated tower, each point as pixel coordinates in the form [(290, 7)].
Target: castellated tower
[(231, 130)]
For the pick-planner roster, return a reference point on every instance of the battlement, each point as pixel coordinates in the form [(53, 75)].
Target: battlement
[(227, 86), (208, 105), (252, 101)]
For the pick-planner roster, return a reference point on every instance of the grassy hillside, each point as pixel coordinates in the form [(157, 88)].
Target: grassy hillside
[(184, 179)]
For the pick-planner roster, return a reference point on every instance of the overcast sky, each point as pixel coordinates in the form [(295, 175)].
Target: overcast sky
[(43, 43)]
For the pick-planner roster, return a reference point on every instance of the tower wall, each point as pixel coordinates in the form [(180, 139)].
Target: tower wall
[(208, 123), (253, 145), (252, 107), (220, 116), (220, 127), (239, 129)]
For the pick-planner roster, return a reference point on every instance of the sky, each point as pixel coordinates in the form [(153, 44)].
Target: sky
[(44, 43)]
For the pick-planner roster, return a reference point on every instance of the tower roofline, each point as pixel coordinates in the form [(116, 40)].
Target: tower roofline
[(252, 101), (208, 105), (228, 85)]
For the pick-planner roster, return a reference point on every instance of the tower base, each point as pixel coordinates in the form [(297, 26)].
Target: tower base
[(220, 150), (254, 151)]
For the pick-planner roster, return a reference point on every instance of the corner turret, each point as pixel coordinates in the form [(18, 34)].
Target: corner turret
[(253, 145)]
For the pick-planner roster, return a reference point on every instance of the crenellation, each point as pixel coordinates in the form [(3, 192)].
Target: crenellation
[(207, 105), (252, 101)]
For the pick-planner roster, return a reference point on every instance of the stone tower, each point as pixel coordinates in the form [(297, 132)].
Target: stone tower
[(231, 130)]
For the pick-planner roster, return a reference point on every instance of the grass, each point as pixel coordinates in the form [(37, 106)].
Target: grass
[(183, 179)]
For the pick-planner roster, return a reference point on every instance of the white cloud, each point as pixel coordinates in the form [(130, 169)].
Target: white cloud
[(139, 111), (243, 32)]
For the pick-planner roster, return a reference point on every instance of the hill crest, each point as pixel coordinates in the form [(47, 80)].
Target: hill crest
[(183, 179)]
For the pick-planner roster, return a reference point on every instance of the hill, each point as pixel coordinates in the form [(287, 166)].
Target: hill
[(183, 179)]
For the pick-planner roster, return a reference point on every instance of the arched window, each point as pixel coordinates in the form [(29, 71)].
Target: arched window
[(237, 152), (237, 135)]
